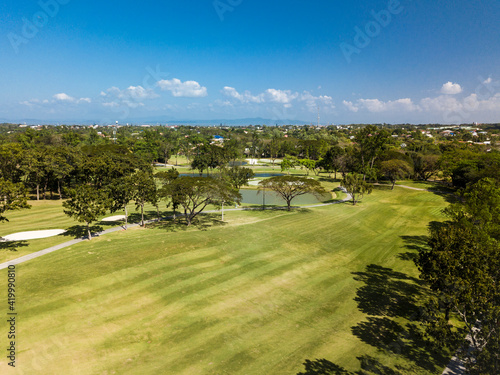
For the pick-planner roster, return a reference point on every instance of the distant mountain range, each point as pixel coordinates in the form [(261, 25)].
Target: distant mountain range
[(160, 121)]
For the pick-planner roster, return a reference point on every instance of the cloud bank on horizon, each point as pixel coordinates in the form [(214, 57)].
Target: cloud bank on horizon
[(447, 107), (408, 62)]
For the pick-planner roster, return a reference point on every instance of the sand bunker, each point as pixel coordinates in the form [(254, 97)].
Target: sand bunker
[(22, 236), (254, 182), (114, 218)]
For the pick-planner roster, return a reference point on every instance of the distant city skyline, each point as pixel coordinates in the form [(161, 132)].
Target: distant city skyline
[(393, 61)]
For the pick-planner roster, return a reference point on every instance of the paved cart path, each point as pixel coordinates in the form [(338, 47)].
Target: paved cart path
[(455, 367)]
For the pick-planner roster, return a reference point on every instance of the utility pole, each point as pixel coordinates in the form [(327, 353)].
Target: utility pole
[(114, 132)]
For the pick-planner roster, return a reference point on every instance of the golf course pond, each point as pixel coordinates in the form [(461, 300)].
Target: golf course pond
[(271, 198), (256, 174)]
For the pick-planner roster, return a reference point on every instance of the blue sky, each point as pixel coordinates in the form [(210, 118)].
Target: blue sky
[(357, 61)]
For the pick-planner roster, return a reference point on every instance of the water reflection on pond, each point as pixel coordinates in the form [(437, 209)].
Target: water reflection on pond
[(254, 197)]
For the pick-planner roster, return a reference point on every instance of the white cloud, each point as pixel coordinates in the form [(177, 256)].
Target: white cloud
[(139, 92), (376, 105), (472, 107), (280, 96), (246, 97), (487, 81), (373, 105), (64, 97), (178, 88), (222, 103), (231, 91), (131, 93), (131, 97), (471, 103), (405, 104), (312, 102), (131, 104), (450, 88), (32, 102), (285, 97), (441, 103), (351, 107)]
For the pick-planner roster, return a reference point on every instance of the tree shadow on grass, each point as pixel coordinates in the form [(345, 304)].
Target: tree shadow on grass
[(323, 367), (386, 297), (390, 300), (447, 193), (169, 225), (80, 231), (135, 217), (301, 210), (206, 221), (383, 187), (269, 209), (330, 179), (387, 292), (12, 245), (201, 222), (436, 225), (416, 244), (369, 366)]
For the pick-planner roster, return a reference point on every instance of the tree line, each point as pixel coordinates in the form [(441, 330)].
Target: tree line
[(56, 161)]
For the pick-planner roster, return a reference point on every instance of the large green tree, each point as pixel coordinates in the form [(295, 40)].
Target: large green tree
[(144, 190), (370, 142), (13, 196), (211, 157), (11, 158), (34, 167), (166, 178), (238, 176), (273, 148), (121, 192), (86, 204), (462, 268), (424, 166), (308, 164), (60, 166), (469, 166), (288, 163), (355, 185), (194, 194), (331, 162), (395, 169), (290, 187)]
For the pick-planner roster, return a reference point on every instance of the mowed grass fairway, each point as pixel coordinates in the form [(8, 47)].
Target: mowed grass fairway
[(258, 295)]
